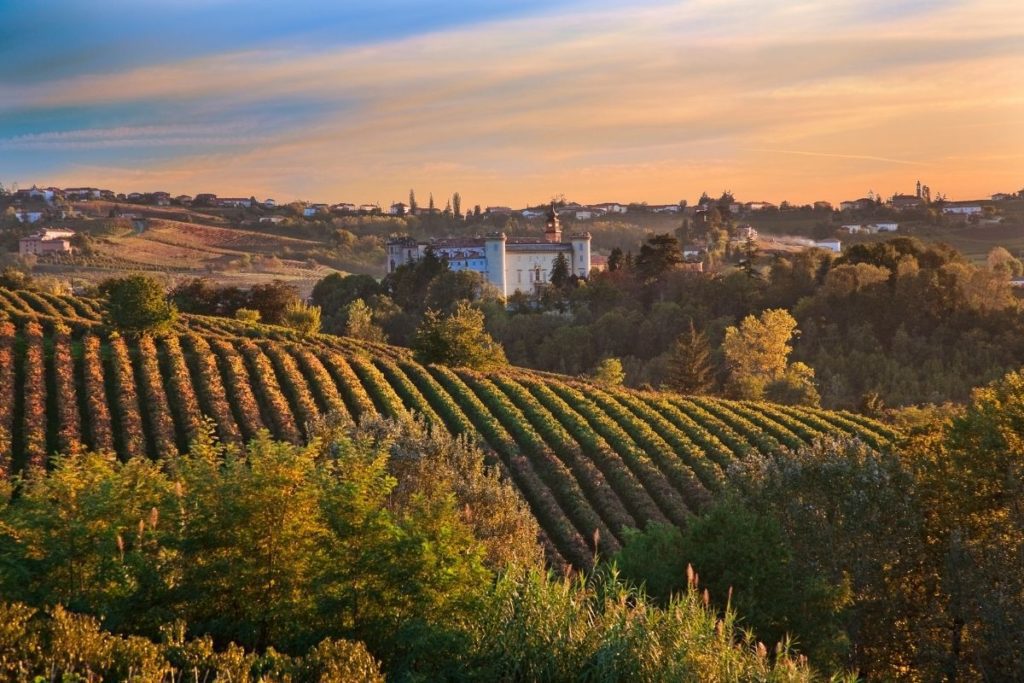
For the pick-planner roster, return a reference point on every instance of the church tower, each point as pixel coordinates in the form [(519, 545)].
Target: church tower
[(553, 231)]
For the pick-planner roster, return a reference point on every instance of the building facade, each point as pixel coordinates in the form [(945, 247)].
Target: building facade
[(46, 242), (511, 264)]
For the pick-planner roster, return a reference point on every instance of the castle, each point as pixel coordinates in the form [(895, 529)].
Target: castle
[(511, 264)]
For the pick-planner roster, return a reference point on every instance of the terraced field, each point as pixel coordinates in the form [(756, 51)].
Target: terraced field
[(590, 461)]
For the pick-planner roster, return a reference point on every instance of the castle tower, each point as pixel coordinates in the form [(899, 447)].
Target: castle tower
[(553, 231), (581, 254), (918, 189), (494, 250)]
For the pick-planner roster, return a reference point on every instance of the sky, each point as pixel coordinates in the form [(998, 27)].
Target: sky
[(513, 103)]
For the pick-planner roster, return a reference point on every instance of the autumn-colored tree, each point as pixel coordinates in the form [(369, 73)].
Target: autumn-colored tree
[(757, 351)]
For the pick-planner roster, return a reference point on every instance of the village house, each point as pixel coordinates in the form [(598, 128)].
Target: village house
[(183, 199), (902, 202), (205, 199), (510, 264), (398, 209), (46, 242), (963, 209), (533, 213), (1002, 196), (861, 204), (235, 202), (498, 210), (272, 219), (28, 216), (832, 245), (344, 207), (161, 198), (758, 206), (82, 193), (611, 207), (369, 208), (269, 203)]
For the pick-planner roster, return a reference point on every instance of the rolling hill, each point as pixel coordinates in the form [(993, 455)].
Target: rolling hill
[(590, 460)]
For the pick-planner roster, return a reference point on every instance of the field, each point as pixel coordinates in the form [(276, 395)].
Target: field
[(590, 461), (183, 244)]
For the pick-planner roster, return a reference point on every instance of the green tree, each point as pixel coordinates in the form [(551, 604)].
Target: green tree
[(560, 272), (615, 259), (457, 205), (757, 351), (796, 387), (609, 371), (658, 255), (689, 369), (360, 324), (137, 304), (458, 339)]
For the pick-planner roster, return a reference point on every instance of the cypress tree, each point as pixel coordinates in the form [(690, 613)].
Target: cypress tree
[(689, 367)]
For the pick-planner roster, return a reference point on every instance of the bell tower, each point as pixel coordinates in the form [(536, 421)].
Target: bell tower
[(553, 231)]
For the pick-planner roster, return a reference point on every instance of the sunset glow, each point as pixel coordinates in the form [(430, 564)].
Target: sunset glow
[(511, 103)]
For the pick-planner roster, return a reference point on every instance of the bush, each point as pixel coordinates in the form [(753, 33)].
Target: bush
[(302, 317), (247, 315)]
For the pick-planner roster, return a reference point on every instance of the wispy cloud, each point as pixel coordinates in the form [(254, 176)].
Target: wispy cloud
[(657, 101)]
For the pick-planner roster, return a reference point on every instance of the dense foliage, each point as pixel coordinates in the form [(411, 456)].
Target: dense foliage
[(279, 560)]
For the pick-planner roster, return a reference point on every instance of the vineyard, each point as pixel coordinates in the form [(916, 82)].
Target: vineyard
[(590, 461)]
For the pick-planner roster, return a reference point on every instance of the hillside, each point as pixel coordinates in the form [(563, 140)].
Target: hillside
[(590, 460)]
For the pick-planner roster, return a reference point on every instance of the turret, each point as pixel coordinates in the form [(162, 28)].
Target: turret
[(494, 246), (581, 254)]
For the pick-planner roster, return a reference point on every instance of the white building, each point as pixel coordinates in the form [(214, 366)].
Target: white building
[(884, 227), (832, 245), (511, 264), (966, 210), (28, 216)]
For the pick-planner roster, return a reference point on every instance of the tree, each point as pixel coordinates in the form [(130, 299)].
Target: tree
[(756, 352), (609, 371), (137, 304), (360, 324), (302, 317), (795, 387), (413, 206), (689, 364), (560, 272), (749, 255), (273, 300), (1000, 260), (615, 259), (658, 255), (457, 340), (457, 205)]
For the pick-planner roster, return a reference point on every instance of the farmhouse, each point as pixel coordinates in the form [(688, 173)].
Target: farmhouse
[(511, 264), (46, 242)]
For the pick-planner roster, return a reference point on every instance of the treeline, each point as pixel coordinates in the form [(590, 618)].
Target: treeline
[(387, 550), (884, 324)]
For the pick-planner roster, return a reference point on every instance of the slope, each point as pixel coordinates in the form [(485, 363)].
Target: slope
[(589, 460)]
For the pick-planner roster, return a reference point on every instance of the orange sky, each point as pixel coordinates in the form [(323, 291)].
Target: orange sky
[(651, 102)]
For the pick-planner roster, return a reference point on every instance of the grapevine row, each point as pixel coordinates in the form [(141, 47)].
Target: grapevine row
[(552, 518), (551, 470)]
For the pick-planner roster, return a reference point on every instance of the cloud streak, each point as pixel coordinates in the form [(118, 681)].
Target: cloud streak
[(803, 100)]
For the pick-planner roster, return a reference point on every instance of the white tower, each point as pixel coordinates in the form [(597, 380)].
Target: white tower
[(494, 251), (581, 254)]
